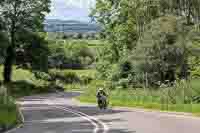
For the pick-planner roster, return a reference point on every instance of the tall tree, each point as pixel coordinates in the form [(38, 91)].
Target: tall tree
[(19, 15), (167, 45), (124, 21)]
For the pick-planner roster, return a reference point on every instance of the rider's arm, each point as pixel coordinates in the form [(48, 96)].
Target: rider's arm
[(104, 93), (97, 95)]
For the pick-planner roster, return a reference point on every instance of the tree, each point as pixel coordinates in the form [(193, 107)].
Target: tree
[(19, 15), (35, 51), (130, 25), (3, 45), (123, 22), (165, 48), (79, 36)]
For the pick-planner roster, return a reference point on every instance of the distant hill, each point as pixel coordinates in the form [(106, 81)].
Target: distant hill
[(70, 26)]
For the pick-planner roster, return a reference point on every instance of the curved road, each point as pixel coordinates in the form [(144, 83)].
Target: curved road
[(58, 113)]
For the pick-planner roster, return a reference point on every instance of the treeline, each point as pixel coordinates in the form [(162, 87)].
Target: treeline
[(67, 35), (151, 41)]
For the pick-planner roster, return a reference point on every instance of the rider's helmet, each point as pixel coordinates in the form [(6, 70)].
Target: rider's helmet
[(101, 89)]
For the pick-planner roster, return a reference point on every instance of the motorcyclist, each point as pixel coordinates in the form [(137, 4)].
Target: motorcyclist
[(101, 95)]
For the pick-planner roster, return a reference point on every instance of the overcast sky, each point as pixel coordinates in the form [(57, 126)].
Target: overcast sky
[(71, 9)]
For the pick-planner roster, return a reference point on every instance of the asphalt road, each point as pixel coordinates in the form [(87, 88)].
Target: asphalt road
[(58, 113)]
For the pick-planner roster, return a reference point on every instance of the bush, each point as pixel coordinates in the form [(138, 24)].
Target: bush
[(124, 83), (66, 77), (103, 67), (71, 77), (42, 76), (56, 85), (86, 79)]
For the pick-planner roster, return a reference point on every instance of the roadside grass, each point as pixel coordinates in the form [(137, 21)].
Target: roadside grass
[(9, 114), (195, 84), (143, 98)]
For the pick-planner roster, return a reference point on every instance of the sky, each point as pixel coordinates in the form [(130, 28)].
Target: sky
[(71, 9)]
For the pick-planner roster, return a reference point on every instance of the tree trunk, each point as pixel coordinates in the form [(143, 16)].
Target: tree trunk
[(10, 55), (189, 13), (8, 65), (184, 71)]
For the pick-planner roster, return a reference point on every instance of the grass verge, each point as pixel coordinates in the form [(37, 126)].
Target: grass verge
[(9, 113), (147, 99)]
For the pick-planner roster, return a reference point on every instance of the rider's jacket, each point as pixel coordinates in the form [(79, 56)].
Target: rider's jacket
[(100, 94)]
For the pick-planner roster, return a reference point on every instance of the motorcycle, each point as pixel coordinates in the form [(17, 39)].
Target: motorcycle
[(102, 102)]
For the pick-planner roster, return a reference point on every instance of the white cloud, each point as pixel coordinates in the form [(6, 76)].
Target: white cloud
[(86, 4), (71, 9)]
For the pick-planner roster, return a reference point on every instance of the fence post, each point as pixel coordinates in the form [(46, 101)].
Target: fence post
[(147, 80)]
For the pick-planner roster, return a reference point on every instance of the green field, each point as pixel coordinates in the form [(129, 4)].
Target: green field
[(89, 43)]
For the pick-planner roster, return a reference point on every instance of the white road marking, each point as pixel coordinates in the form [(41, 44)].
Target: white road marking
[(91, 119), (96, 129), (105, 127)]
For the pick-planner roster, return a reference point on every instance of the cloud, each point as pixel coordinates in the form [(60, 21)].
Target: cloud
[(71, 9), (85, 4)]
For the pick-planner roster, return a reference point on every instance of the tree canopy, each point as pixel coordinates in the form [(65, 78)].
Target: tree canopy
[(155, 35), (20, 18)]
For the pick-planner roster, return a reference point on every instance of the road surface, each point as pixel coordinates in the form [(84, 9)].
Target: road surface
[(58, 113)]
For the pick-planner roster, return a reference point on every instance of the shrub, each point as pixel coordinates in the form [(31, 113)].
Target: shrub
[(57, 85), (86, 79), (42, 75), (71, 77), (124, 83), (66, 77), (103, 67)]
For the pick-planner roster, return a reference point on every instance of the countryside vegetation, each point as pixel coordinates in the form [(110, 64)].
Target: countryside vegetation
[(146, 55)]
